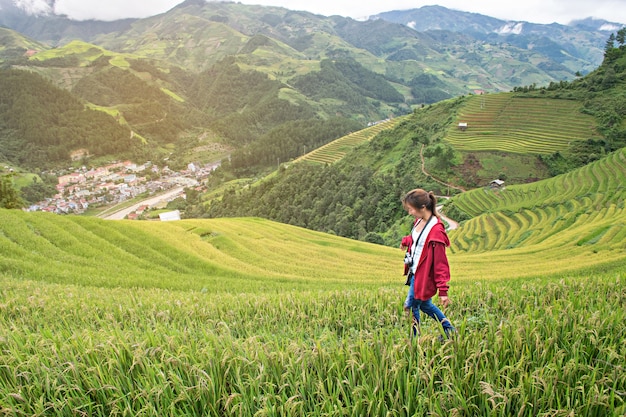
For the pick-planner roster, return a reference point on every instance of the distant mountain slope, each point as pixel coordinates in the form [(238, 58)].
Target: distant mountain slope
[(235, 72), (14, 45), (49, 28), (578, 46), (196, 34), (42, 125), (462, 63)]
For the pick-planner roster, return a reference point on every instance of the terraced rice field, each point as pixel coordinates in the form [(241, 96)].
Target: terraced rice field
[(337, 149), (504, 122), (583, 208), (248, 317)]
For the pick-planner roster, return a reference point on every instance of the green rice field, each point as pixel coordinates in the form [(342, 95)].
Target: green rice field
[(504, 122), (248, 317), (337, 149)]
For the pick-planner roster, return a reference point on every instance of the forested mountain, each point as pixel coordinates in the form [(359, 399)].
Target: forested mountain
[(359, 196), (244, 76), (577, 47), (41, 123)]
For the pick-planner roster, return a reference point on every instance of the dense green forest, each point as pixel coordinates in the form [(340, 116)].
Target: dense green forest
[(359, 197), (9, 196), (287, 141), (151, 113), (346, 80), (428, 89), (243, 105), (42, 124), (353, 198)]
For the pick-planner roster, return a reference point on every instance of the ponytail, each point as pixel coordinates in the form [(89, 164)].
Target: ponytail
[(433, 202)]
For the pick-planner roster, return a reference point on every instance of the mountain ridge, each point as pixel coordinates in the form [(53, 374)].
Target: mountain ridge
[(245, 75)]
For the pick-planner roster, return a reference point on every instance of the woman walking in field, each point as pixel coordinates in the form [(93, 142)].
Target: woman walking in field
[(426, 263)]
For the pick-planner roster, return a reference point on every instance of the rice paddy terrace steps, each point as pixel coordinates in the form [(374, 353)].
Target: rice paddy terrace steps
[(509, 123), (337, 149), (582, 212)]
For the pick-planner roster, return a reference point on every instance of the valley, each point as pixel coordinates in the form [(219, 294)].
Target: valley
[(293, 138)]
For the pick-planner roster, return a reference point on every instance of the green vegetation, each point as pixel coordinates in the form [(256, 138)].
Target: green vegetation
[(603, 94), (508, 123), (9, 196), (41, 124), (39, 188), (286, 142), (237, 72), (13, 45), (520, 137), (246, 316), (350, 83), (353, 197), (337, 149), (581, 212), (215, 255)]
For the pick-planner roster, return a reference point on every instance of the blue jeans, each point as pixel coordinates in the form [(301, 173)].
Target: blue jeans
[(427, 307)]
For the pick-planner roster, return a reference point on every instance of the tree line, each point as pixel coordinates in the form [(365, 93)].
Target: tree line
[(358, 197), (42, 124)]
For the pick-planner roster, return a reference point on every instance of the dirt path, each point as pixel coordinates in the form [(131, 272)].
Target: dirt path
[(451, 223), (435, 179)]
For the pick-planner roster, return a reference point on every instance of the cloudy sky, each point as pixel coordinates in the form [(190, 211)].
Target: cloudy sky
[(536, 11)]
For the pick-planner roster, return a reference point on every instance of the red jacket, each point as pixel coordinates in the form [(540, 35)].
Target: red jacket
[(433, 270)]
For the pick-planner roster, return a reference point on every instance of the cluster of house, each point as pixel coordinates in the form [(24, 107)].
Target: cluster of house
[(115, 183)]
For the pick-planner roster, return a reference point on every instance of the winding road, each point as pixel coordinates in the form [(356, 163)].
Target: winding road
[(151, 201)]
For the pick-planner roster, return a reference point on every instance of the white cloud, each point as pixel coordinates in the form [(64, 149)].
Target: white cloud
[(34, 7), (511, 28), (534, 11), (112, 9)]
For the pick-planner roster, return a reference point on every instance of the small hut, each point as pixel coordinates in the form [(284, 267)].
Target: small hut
[(497, 184)]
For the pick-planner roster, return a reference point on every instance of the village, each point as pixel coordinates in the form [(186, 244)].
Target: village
[(116, 183)]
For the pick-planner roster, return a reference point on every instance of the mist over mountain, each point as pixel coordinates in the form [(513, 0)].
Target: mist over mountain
[(38, 20)]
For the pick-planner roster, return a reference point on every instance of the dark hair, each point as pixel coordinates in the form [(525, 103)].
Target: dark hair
[(419, 198)]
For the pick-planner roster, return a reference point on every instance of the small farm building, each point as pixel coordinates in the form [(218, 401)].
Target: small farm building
[(496, 184)]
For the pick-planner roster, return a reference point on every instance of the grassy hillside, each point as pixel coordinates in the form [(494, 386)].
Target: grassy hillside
[(215, 255), (337, 149), (508, 123), (13, 44), (242, 316), (573, 220)]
